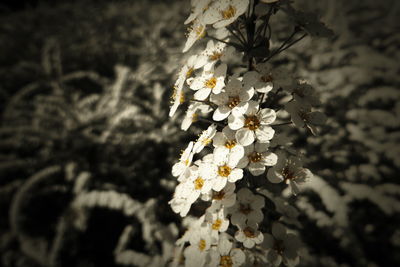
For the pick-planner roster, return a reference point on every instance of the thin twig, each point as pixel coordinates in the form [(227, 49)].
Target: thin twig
[(210, 121), (281, 124)]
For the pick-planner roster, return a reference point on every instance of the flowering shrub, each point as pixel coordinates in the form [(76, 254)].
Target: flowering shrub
[(235, 162)]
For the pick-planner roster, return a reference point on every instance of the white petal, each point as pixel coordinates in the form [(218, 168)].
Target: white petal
[(267, 116), (240, 109), (238, 256), (264, 87), (202, 94), (294, 187), (220, 155), (221, 113), (245, 136), (274, 258), (268, 242), (273, 177), (235, 175), (250, 78), (219, 183), (265, 133), (256, 168), (235, 122), (269, 158), (278, 231)]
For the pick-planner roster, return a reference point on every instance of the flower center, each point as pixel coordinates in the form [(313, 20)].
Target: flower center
[(211, 83), (229, 12), (195, 117), (226, 261), (217, 224), (198, 183), (255, 156), (175, 96), (224, 171), (218, 195), (245, 208), (303, 115), (215, 56), (252, 122), (266, 78), (202, 244), (200, 31), (230, 144), (279, 246), (249, 232), (288, 174), (233, 101), (189, 72)]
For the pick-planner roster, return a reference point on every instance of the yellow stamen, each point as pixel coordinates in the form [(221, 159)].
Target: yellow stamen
[(217, 224), (267, 78), (198, 183), (249, 232), (218, 195), (211, 83), (202, 245), (233, 101), (189, 72), (255, 157), (215, 56), (230, 144), (226, 261), (228, 13), (245, 209), (252, 122), (224, 171)]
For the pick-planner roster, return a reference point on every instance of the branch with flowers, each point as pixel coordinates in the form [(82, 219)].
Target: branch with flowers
[(243, 152)]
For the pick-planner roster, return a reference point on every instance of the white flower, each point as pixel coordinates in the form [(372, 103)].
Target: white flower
[(281, 246), (257, 157), (205, 138), (247, 208), (224, 198), (213, 53), (217, 221), (223, 169), (233, 99), (305, 94), (289, 170), (181, 167), (224, 12), (249, 235), (185, 72), (265, 78), (302, 116), (253, 124), (226, 140), (224, 255), (196, 185), (192, 113), (198, 7), (180, 203), (209, 81), (196, 32), (197, 253)]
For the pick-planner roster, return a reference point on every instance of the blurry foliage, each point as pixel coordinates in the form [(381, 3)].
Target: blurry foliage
[(355, 196), (86, 144)]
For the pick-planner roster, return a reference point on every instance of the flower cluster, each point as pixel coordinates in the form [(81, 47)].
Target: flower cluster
[(240, 152)]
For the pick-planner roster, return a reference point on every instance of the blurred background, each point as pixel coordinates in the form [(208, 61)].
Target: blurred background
[(86, 144)]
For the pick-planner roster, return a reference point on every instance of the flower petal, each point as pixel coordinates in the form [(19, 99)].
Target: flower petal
[(245, 136)]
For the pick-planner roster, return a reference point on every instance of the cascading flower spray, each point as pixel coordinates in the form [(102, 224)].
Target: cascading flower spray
[(248, 153)]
